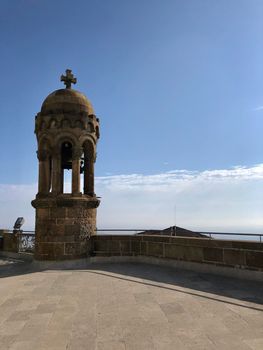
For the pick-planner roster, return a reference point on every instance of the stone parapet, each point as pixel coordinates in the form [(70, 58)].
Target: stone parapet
[(10, 241), (238, 254)]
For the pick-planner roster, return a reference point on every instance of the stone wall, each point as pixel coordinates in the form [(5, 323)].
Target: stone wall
[(63, 233), (239, 254)]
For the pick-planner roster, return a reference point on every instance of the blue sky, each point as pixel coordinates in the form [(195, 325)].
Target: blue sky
[(176, 84)]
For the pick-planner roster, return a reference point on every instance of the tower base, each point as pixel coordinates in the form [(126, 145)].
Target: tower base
[(63, 226)]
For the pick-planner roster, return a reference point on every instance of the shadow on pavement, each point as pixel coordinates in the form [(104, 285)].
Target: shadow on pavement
[(202, 285), (209, 286)]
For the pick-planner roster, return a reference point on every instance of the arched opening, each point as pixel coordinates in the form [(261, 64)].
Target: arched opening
[(97, 132), (66, 167)]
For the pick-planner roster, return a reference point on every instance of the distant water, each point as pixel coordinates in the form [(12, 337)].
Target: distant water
[(214, 236), (118, 232), (238, 238)]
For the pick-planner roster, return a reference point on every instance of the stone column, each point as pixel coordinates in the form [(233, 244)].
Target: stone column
[(41, 189), (57, 181), (44, 172), (77, 152), (89, 175), (61, 179)]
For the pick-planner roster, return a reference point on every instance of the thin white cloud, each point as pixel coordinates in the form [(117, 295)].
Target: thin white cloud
[(171, 178), (223, 199), (259, 108)]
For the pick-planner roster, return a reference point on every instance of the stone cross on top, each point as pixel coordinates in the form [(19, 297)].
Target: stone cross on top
[(68, 79)]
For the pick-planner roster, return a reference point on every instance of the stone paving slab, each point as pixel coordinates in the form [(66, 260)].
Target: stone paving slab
[(127, 306)]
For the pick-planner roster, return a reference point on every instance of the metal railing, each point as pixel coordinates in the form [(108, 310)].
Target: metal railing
[(25, 241), (124, 231), (211, 234)]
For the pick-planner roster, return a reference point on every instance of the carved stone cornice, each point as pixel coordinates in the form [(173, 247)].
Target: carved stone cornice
[(49, 201)]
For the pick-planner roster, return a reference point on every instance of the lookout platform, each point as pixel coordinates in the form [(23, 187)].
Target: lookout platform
[(126, 306)]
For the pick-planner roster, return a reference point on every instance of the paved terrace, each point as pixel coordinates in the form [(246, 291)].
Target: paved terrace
[(126, 306)]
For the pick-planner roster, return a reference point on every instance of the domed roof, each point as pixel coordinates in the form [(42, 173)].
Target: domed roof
[(66, 101)]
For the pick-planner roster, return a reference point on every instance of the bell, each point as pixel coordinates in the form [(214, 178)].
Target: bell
[(66, 156), (81, 170)]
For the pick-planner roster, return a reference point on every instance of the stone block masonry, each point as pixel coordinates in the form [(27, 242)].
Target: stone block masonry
[(62, 233), (237, 254), (235, 258)]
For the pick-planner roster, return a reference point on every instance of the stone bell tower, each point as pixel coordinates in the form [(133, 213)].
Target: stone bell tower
[(67, 131)]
